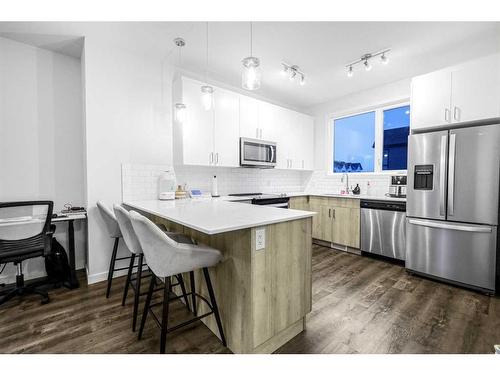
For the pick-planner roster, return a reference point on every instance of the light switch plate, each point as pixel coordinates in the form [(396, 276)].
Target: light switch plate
[(260, 238)]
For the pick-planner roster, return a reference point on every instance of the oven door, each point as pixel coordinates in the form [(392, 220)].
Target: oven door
[(257, 153)]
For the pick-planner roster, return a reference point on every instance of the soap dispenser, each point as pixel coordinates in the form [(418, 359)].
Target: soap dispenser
[(356, 190)]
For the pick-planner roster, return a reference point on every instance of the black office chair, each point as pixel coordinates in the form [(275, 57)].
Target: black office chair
[(25, 233)]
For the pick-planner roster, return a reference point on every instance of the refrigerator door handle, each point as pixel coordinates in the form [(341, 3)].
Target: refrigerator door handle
[(459, 227), (451, 176), (442, 176)]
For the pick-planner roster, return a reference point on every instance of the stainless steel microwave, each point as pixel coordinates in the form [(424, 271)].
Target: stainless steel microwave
[(257, 153)]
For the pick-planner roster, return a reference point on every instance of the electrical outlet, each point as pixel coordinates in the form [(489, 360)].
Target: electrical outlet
[(260, 238)]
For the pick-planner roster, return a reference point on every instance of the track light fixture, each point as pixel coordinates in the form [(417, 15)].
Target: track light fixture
[(350, 73), (365, 60), (293, 72)]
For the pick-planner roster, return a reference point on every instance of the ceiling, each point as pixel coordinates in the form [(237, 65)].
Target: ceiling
[(320, 49)]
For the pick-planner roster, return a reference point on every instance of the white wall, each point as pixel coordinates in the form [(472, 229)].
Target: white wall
[(41, 150), (128, 119)]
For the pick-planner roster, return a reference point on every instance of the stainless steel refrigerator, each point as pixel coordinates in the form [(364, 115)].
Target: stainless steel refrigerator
[(453, 205)]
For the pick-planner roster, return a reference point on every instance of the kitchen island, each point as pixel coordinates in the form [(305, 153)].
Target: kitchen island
[(263, 284)]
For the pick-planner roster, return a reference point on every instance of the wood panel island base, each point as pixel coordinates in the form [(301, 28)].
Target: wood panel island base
[(263, 290)]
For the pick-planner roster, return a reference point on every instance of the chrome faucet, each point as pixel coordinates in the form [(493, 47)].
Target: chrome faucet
[(346, 182)]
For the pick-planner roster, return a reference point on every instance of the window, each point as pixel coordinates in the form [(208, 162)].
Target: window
[(354, 147), (373, 141), (396, 131)]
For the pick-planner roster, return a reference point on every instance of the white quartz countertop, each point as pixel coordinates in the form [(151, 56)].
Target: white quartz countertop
[(212, 216)]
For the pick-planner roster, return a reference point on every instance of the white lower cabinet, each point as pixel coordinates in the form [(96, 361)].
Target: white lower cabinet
[(211, 138)]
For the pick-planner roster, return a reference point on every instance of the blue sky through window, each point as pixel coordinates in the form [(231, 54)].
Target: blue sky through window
[(354, 143), (396, 131)]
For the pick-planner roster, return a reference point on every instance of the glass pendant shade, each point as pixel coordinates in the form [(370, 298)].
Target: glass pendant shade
[(251, 74), (180, 112), (207, 93)]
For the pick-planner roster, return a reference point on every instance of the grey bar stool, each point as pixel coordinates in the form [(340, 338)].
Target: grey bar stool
[(166, 258), (115, 233), (130, 238)]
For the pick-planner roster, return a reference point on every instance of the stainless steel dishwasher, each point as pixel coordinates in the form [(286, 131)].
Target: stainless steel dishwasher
[(383, 228)]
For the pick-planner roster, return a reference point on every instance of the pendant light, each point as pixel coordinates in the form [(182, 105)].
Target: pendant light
[(180, 108), (207, 91), (251, 75)]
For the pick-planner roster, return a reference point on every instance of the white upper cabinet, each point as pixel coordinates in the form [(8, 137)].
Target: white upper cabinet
[(475, 92), (467, 92), (431, 100), (226, 128), (249, 117), (295, 140), (212, 138), (269, 121), (306, 161), (198, 128)]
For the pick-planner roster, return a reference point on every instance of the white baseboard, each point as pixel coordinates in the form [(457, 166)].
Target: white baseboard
[(102, 276)]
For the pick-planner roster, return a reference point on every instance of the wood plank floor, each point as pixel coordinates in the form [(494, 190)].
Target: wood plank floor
[(360, 305)]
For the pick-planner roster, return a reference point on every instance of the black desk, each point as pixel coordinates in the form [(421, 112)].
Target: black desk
[(70, 219)]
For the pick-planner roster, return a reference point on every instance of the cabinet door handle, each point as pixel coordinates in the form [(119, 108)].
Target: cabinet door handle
[(333, 213), (456, 113), (211, 158), (329, 212), (447, 115), (217, 158)]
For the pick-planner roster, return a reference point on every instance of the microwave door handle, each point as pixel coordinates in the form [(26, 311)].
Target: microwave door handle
[(442, 175), (272, 153), (451, 176)]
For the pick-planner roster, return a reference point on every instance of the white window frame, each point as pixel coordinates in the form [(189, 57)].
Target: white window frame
[(379, 135)]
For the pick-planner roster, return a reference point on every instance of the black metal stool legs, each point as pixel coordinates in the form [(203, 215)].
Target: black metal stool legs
[(193, 291), (129, 276), (112, 266), (147, 304), (137, 290), (214, 305), (164, 319), (180, 279)]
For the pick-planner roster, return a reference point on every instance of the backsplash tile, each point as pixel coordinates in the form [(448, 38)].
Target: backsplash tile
[(321, 181), (242, 180), (140, 181)]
